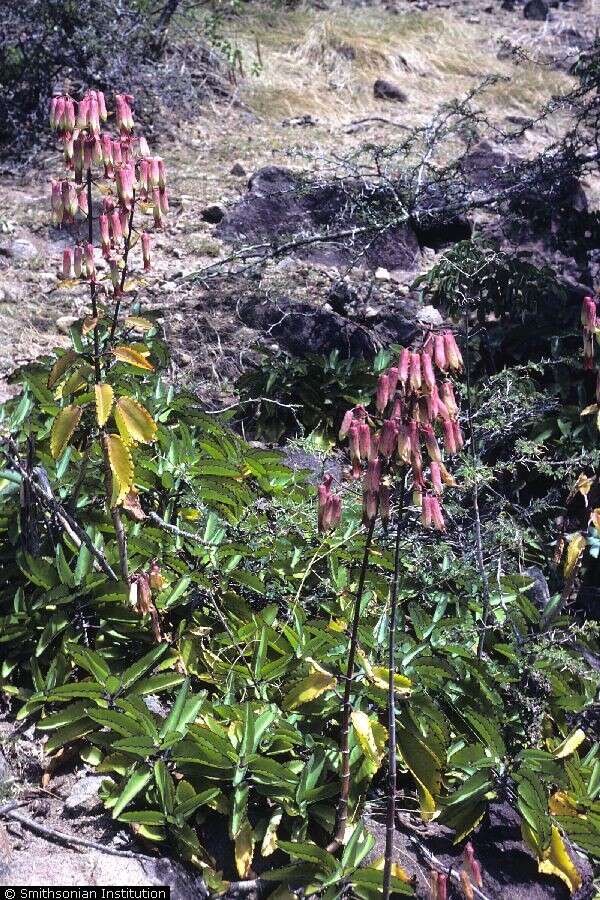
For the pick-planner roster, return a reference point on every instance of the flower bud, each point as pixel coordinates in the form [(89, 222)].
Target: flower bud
[(416, 465), (415, 371), (346, 423), (393, 375), (69, 201), (426, 517), (439, 353), (448, 399), (388, 438), (588, 313), (458, 435), (69, 115), (436, 477), (67, 263), (449, 438), (102, 105), (90, 265), (323, 494), (404, 443), (93, 114), (144, 149), (82, 201), (56, 201), (146, 250), (436, 515), (442, 886), (383, 393), (432, 445), (115, 224), (427, 368), (54, 115), (123, 112), (83, 108), (453, 354), (403, 366), (364, 435), (369, 506)]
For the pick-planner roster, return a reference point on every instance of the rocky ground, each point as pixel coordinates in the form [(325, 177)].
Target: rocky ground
[(332, 77)]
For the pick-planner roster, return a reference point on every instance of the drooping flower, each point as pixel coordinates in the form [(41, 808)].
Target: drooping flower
[(383, 392), (415, 371), (453, 354), (432, 445), (404, 365), (388, 438), (78, 261), (436, 477), (439, 353), (436, 514), (448, 399), (67, 263), (589, 314), (427, 369)]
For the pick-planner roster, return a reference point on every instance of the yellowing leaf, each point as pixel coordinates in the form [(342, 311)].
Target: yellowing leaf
[(425, 768), (558, 862), (133, 358), (560, 804), (575, 548), (570, 744), (244, 849), (104, 401), (397, 870), (380, 677), (61, 365), (269, 844), (308, 689), (64, 425), (139, 323), (134, 421), (121, 466), (73, 383), (371, 737)]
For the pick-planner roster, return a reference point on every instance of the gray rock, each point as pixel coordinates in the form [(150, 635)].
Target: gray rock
[(48, 864), (536, 10), (387, 90), (5, 771), (83, 797), (20, 249), (212, 214), (238, 170)]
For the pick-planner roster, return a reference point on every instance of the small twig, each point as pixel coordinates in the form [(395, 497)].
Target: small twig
[(190, 535), (59, 837)]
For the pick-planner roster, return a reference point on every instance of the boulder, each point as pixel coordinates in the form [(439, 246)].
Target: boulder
[(83, 797), (537, 10), (282, 207), (387, 90), (212, 214)]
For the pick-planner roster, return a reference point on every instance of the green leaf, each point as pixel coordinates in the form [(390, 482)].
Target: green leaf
[(143, 817), (171, 723), (310, 853), (136, 783), (118, 722), (69, 733), (89, 660), (189, 806), (165, 786), (139, 668)]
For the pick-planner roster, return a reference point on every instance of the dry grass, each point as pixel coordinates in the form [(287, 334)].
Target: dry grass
[(324, 64)]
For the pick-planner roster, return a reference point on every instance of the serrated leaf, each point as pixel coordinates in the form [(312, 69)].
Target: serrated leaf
[(133, 358), (308, 689), (104, 401), (570, 744), (134, 421), (63, 427), (62, 364), (269, 844), (121, 465)]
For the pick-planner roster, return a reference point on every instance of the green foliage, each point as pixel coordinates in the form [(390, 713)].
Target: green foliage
[(286, 396)]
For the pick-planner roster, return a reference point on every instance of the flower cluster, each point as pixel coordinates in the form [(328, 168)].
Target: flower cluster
[(591, 327), (470, 874), (330, 505), (127, 162), (410, 403), (438, 885)]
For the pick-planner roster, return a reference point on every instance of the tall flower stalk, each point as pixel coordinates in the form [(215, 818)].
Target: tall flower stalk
[(129, 180), (397, 441)]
